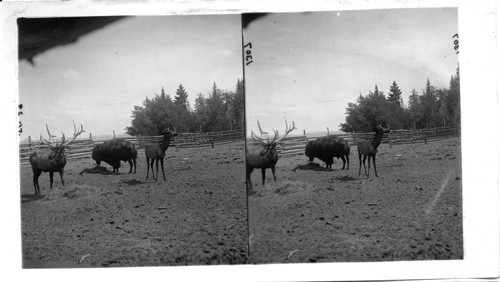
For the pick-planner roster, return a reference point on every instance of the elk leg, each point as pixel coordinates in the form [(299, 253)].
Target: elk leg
[(263, 175), (147, 163), (359, 173), (51, 173), (364, 165), (343, 162), (249, 181), (152, 168), (36, 175), (374, 166), (347, 157), (162, 170), (273, 169), (369, 157), (156, 179), (135, 166), (61, 174)]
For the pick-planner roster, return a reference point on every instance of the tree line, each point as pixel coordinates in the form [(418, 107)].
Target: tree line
[(434, 107), (221, 110)]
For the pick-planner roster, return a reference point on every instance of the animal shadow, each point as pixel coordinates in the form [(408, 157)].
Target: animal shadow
[(345, 178), (29, 198), (311, 166), (96, 170), (133, 182)]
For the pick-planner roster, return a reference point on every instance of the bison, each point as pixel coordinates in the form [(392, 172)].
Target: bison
[(327, 147), (115, 151)]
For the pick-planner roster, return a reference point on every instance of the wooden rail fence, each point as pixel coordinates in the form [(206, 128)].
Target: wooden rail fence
[(82, 148), (295, 145)]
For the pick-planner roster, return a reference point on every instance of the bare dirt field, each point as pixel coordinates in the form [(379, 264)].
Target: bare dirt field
[(100, 219), (412, 211)]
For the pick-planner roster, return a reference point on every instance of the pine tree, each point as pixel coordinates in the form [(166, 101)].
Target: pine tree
[(395, 95), (181, 98)]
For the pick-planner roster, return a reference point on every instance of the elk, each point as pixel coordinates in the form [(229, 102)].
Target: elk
[(263, 155), (157, 153), (368, 149), (51, 159)]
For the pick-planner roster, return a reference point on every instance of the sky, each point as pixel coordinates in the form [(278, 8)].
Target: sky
[(97, 81), (307, 67)]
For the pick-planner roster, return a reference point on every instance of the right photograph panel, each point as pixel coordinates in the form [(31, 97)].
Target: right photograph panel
[(353, 148)]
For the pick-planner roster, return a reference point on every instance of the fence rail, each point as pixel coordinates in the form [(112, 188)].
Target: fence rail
[(82, 148), (295, 145)]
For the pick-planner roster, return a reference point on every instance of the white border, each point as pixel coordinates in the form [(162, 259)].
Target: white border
[(480, 146)]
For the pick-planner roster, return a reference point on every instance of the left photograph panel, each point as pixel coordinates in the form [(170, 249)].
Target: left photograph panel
[(132, 141)]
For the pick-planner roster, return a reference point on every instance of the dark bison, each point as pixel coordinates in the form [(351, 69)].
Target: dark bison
[(115, 151), (327, 147)]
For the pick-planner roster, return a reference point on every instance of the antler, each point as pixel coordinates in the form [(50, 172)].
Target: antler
[(276, 133), (43, 141), (75, 134), (260, 129), (48, 131), (259, 139), (287, 130)]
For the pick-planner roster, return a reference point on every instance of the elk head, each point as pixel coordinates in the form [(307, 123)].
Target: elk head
[(170, 132), (58, 149), (379, 129), (269, 151)]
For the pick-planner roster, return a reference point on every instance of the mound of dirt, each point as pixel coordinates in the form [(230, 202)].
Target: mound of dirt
[(288, 187), (80, 191), (310, 166), (73, 192), (95, 170)]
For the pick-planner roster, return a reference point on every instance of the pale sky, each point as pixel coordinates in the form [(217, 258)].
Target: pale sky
[(308, 66), (97, 80)]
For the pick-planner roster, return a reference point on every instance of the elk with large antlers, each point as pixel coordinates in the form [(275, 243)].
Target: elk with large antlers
[(51, 159), (157, 153), (263, 154)]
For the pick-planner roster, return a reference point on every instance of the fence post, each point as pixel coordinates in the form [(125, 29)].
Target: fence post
[(29, 140), (113, 134), (327, 131)]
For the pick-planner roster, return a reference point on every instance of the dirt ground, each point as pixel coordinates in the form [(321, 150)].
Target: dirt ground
[(412, 211), (102, 219)]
